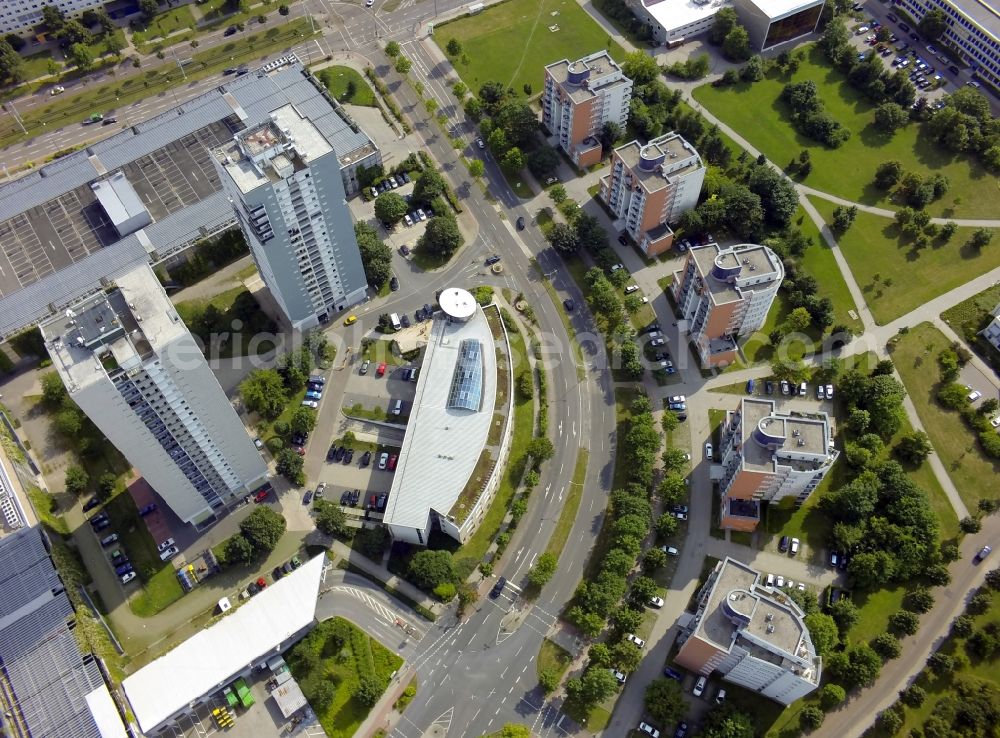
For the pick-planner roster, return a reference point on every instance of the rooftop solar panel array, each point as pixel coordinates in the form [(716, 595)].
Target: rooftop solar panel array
[(39, 655)]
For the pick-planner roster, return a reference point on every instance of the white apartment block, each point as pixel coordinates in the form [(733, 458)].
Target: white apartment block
[(650, 186), (724, 293), (579, 98), (766, 456), (751, 634), (20, 16), (131, 365), (973, 29), (284, 180)]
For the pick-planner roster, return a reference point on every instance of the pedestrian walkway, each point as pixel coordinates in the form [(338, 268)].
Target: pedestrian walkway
[(885, 213)]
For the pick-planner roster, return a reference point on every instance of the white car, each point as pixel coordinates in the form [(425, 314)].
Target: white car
[(616, 267), (779, 581), (383, 461), (649, 730), (802, 587), (995, 422), (829, 392), (633, 638), (421, 215), (619, 675), (670, 550), (657, 342), (677, 398), (644, 300), (708, 449), (699, 688), (169, 553), (480, 143), (631, 288), (166, 544), (57, 90), (126, 578), (407, 219), (862, 29), (656, 602), (975, 395), (790, 583), (795, 547), (679, 515), (310, 403)]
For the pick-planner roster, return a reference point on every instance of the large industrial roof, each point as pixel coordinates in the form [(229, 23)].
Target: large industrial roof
[(56, 242), (47, 675), (442, 444), (206, 661)]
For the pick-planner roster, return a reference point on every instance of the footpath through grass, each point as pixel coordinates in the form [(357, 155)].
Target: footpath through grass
[(67, 109), (759, 115), (915, 357), (339, 655), (511, 42), (895, 277)]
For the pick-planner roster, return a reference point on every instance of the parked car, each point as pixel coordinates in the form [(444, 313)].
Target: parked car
[(394, 284), (91, 503), (795, 547), (123, 569), (656, 602), (392, 462), (380, 372), (166, 544), (649, 730), (127, 577), (383, 461), (785, 387), (631, 288), (699, 687), (783, 544), (619, 675), (803, 388), (170, 553), (975, 395), (348, 456), (307, 497), (366, 459), (670, 550), (261, 495), (633, 638), (310, 404), (364, 367), (708, 450), (682, 730), (670, 673), (982, 554), (109, 540), (569, 305)]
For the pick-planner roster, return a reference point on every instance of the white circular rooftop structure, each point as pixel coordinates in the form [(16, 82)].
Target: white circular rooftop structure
[(457, 303)]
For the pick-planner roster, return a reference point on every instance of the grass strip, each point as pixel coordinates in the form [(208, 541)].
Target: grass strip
[(568, 514)]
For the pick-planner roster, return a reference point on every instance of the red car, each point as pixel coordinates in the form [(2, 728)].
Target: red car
[(381, 370), (260, 496), (392, 462), (261, 583)]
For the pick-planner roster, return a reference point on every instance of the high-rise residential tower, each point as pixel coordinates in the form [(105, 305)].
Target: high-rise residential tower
[(650, 186), (283, 177), (753, 635), (725, 292), (579, 98), (132, 366)]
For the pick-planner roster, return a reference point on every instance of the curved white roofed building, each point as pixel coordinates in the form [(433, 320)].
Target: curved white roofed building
[(458, 304), (458, 435)]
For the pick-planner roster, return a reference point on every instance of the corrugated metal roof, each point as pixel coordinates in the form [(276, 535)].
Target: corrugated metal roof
[(442, 445), (258, 95)]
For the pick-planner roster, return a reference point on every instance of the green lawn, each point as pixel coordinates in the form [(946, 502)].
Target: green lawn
[(818, 262), (67, 109), (552, 656), (973, 474), (338, 653), (230, 342), (175, 19), (100, 46), (970, 313), (511, 42), (347, 86), (757, 113), (874, 247), (37, 65), (160, 586)]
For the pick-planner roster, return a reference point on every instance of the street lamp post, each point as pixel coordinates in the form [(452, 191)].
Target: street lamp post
[(14, 114), (179, 65)]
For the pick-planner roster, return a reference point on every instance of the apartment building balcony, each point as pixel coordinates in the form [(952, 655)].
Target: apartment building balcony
[(737, 514)]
